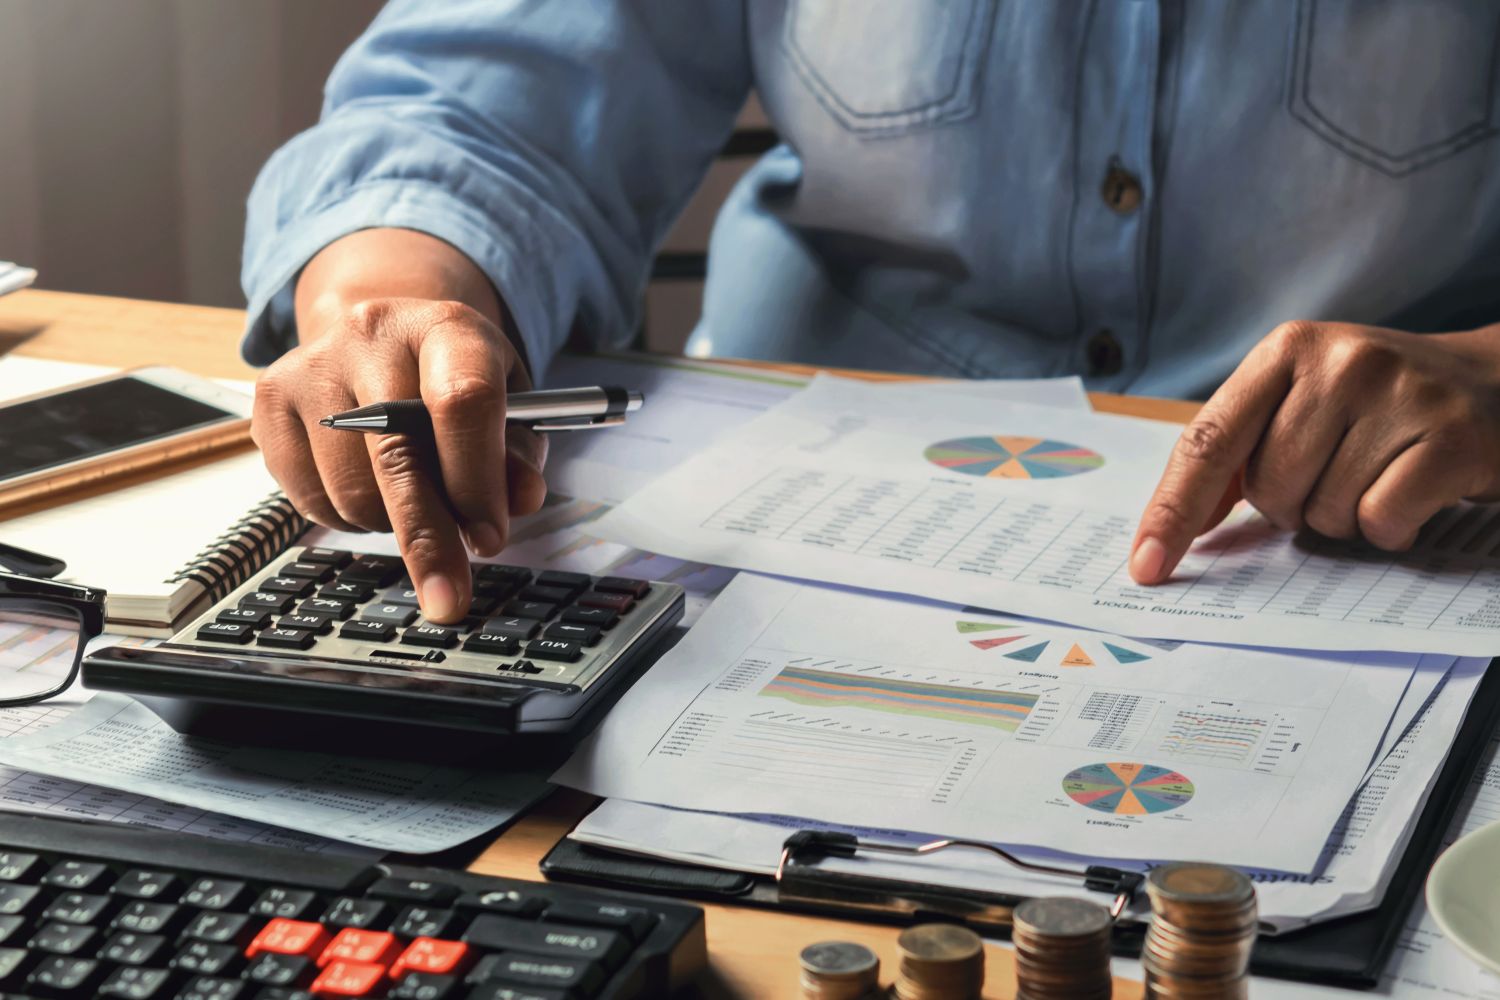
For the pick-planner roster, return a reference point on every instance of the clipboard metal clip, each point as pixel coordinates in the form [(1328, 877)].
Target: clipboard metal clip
[(798, 878)]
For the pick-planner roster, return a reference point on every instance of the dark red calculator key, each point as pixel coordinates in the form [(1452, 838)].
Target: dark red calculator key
[(623, 585), (618, 603)]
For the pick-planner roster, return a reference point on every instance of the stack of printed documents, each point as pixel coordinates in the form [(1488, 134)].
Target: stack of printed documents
[(951, 645)]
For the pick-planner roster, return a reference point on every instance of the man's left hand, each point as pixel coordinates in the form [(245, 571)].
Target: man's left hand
[(1351, 431)]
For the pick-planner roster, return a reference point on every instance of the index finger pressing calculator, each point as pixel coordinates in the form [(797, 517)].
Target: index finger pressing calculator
[(326, 647)]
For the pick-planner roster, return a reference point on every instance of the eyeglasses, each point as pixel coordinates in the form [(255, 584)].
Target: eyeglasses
[(44, 627)]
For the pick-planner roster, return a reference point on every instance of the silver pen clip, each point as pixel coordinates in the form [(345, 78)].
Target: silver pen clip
[(576, 423)]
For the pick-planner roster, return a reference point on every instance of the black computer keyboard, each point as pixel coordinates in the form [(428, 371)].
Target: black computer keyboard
[(338, 637), (93, 910)]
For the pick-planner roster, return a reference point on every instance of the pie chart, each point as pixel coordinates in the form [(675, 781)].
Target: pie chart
[(1005, 457), (1128, 789)]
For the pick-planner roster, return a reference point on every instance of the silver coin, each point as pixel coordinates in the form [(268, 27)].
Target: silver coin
[(838, 958), (1062, 917)]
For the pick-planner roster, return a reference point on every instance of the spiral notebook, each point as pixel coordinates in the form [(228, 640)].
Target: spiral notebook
[(166, 548)]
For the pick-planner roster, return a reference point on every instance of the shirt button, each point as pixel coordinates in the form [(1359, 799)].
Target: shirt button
[(1121, 189), (1105, 355)]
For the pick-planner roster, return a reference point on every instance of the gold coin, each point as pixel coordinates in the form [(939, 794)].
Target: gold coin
[(939, 943)]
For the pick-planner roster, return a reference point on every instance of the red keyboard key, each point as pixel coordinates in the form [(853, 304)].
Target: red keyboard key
[(347, 979), (432, 955), (289, 937), (618, 603), (354, 945)]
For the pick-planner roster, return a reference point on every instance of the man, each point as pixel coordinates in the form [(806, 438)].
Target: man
[(1153, 194)]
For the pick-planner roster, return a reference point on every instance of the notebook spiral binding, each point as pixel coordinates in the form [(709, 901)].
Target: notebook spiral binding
[(251, 542)]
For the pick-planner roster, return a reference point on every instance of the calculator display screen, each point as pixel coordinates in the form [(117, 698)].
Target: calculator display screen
[(92, 420)]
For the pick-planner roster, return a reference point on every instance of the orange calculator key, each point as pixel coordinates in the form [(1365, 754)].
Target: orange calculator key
[(353, 945), (289, 937), (432, 955), (347, 979)]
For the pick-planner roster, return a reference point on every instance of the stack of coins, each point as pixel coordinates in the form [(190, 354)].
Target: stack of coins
[(839, 970), (1202, 930), (1062, 949), (939, 962)]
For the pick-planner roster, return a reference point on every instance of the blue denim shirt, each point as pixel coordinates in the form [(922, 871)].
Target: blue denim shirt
[(1132, 190)]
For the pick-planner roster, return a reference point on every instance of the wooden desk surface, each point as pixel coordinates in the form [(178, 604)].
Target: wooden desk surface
[(752, 952)]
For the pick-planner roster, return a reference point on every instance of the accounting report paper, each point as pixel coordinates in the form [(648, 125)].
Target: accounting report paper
[(1032, 510), (859, 709)]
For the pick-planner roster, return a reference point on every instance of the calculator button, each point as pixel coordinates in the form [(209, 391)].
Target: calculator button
[(295, 586), (261, 600), (517, 575), (496, 590), (316, 624), (336, 558), (430, 635), (484, 642), (271, 969), (623, 585), (253, 617), (547, 595), (317, 572), (482, 605), (399, 595), (513, 628), (539, 610), (584, 635), (134, 984), (398, 615), (558, 578), (219, 928), (506, 901), (554, 649), (285, 638), (619, 603), (77, 908), (378, 571), (347, 590), (330, 606), (63, 939), (230, 632), (599, 617), (368, 631)]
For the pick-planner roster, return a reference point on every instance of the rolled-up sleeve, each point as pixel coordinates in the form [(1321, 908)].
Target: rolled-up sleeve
[(551, 141)]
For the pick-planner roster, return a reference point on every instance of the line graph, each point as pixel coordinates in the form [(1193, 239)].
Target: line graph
[(813, 684), (1214, 736)]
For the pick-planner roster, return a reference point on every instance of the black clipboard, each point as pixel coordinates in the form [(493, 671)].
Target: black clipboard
[(1349, 952)]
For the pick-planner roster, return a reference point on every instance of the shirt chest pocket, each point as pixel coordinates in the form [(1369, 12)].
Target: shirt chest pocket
[(890, 66), (1396, 84)]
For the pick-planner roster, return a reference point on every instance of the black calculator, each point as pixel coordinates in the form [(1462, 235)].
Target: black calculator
[(326, 647)]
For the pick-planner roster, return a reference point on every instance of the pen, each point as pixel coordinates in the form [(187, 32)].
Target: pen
[(582, 408)]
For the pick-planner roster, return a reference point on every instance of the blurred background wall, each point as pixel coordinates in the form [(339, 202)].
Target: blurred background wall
[(131, 131)]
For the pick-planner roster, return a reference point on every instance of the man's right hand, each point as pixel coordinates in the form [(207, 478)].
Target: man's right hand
[(436, 499)]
